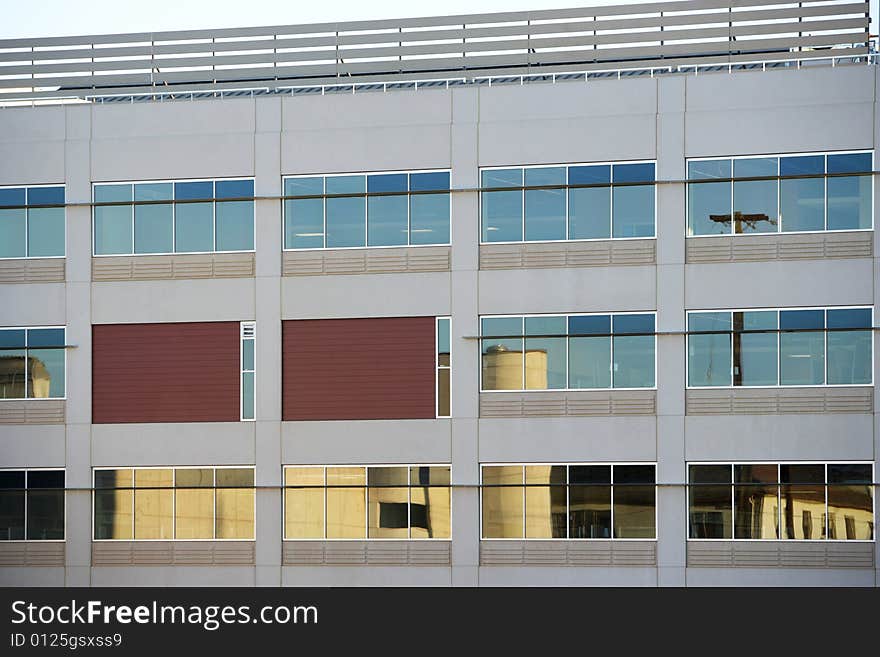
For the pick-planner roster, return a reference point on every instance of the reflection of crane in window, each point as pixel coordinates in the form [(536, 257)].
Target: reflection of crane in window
[(13, 384), (741, 219)]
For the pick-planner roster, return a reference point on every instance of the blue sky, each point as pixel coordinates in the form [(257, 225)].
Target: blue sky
[(35, 18)]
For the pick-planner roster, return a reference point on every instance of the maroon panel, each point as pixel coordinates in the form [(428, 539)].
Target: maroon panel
[(187, 372), (358, 369)]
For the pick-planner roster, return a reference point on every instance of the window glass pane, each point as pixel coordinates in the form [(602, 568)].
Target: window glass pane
[(153, 224), (12, 233), (247, 395), (589, 501), (234, 501), (849, 203), (45, 505), (633, 365), (45, 337), (235, 225), (545, 357), (13, 369), (429, 502), (589, 362), (755, 355), (429, 219), (194, 503), (545, 208), (709, 204), (203, 189), (346, 217), (113, 504), (634, 501), (755, 201), (545, 501), (849, 163), (153, 500), (589, 209), (756, 501), (194, 227), (802, 355), (803, 501), (45, 195), (113, 224), (850, 502), (304, 218), (388, 502), (443, 341), (502, 501), (387, 219), (443, 393), (802, 202), (502, 357), (234, 188), (247, 355), (630, 173), (346, 506), (849, 318), (12, 505), (633, 211), (12, 196), (502, 211), (11, 338), (45, 231), (709, 355), (710, 502), (589, 325), (46, 373), (304, 507), (849, 357), (429, 181)]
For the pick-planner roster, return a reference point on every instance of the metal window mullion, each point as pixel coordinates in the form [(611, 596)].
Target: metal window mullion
[(825, 347), (214, 211), (25, 519), (523, 365), (408, 208), (133, 208), (408, 502), (567, 498), (214, 508), (567, 234), (324, 214), (827, 519), (611, 486), (778, 195), (611, 203), (732, 203), (173, 219), (825, 198), (732, 503), (523, 239), (611, 351), (525, 510), (366, 218), (173, 503), (27, 218), (133, 494), (366, 503)]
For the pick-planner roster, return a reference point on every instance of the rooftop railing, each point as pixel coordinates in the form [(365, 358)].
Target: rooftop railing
[(546, 45)]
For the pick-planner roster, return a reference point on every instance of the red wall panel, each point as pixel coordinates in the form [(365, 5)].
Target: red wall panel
[(358, 369), (184, 372)]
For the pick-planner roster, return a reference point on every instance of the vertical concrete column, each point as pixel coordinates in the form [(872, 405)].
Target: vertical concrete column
[(876, 281), (77, 179), (671, 376), (465, 357), (267, 165)]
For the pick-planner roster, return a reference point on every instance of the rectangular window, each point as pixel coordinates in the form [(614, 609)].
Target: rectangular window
[(32, 505), (32, 222), (789, 193), (367, 502), (444, 367), (190, 503), (577, 501), (764, 348), (195, 216), (577, 202), (381, 209), (248, 370), (787, 501), (32, 363), (568, 352)]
